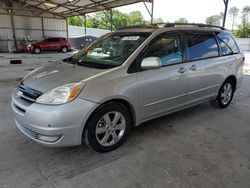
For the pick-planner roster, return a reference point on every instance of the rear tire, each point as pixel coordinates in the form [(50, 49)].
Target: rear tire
[(225, 94), (107, 127)]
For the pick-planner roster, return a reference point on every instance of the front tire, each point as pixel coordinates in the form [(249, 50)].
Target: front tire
[(37, 50), (64, 49), (108, 127), (225, 95)]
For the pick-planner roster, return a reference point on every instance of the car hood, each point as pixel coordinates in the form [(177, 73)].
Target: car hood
[(58, 74)]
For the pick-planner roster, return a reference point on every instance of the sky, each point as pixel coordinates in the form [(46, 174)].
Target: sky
[(193, 10)]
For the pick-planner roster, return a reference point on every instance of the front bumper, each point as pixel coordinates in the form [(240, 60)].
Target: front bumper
[(29, 48), (66, 121)]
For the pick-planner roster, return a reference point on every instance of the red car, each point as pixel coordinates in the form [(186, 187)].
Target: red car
[(50, 44)]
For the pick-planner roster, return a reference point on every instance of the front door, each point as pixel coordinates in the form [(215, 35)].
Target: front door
[(165, 89)]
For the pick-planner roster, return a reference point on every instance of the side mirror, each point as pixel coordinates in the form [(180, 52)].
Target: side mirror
[(151, 63)]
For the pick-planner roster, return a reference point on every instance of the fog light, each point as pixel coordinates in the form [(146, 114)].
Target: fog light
[(49, 138)]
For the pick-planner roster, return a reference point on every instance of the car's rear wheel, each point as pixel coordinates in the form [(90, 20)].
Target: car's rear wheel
[(64, 49), (108, 127), (225, 95), (37, 50)]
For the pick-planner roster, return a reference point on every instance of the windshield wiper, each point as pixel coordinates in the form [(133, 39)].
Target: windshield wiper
[(96, 65)]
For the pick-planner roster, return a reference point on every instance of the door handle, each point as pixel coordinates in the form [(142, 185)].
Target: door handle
[(193, 68), (182, 70)]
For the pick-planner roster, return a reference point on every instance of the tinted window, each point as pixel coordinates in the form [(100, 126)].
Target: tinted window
[(201, 46), (227, 43), (225, 49), (168, 49), (49, 40), (56, 39)]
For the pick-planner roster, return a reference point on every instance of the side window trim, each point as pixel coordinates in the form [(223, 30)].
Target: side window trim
[(231, 48), (221, 52), (220, 40)]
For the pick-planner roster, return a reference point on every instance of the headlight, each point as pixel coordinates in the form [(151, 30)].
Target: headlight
[(62, 94)]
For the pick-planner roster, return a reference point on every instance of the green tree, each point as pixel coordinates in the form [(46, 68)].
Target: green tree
[(214, 20), (233, 12), (243, 31), (245, 14), (136, 18), (244, 28), (181, 20), (157, 20), (102, 20), (75, 20)]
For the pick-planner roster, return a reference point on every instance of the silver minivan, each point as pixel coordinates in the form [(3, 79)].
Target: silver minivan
[(125, 78)]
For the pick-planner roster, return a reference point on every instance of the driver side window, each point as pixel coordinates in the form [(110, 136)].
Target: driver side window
[(168, 49)]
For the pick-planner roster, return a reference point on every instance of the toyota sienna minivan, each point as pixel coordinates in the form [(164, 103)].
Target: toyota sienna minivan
[(125, 78)]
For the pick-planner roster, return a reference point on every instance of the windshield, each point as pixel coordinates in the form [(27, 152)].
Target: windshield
[(110, 50)]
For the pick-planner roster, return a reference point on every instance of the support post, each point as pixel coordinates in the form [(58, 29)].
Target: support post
[(13, 31), (67, 28), (152, 12), (225, 12), (111, 20), (42, 22), (85, 25)]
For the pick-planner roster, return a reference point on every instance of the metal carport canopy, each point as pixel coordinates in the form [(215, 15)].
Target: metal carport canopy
[(68, 8)]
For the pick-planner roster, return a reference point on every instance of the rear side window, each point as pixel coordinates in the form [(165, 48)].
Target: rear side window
[(227, 44), (201, 46), (49, 40), (56, 40)]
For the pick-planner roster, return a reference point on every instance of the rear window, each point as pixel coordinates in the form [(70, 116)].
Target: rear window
[(227, 43), (201, 46)]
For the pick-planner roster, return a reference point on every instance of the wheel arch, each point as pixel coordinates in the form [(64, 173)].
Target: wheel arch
[(233, 79), (122, 101), (128, 105), (64, 46)]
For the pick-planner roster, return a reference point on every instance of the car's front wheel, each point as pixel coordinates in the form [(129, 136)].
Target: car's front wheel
[(64, 49), (37, 50), (108, 127)]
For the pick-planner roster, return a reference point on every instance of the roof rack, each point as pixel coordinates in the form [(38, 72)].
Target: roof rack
[(139, 26), (193, 24), (160, 25), (148, 26)]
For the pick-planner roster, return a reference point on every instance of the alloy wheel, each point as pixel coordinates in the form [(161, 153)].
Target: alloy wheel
[(226, 93), (110, 128)]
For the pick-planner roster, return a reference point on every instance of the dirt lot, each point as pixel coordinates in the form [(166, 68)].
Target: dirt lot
[(198, 147)]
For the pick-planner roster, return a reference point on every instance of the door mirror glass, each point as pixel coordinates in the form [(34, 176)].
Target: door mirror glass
[(151, 63)]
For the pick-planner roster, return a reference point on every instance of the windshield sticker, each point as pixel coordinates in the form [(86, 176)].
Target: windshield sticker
[(131, 38)]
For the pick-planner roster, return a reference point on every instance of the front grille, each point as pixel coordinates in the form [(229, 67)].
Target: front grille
[(20, 109), (29, 132), (28, 94)]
